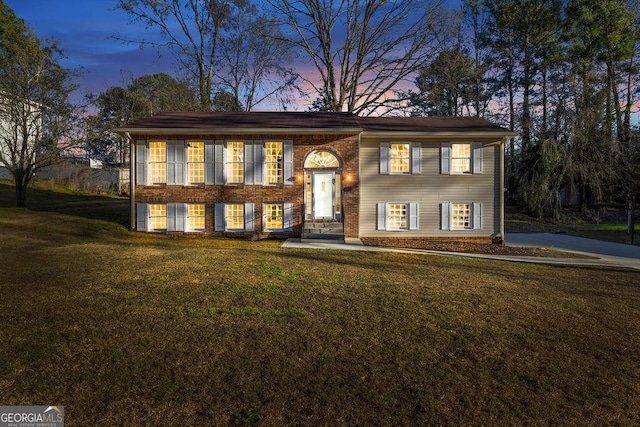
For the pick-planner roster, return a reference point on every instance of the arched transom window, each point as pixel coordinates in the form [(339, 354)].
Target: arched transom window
[(322, 159)]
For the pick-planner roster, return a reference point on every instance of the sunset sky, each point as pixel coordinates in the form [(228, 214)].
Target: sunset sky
[(84, 28)]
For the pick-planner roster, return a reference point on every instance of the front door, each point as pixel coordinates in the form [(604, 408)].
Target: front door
[(323, 194)]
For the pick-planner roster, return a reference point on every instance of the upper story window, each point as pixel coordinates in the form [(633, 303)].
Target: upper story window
[(235, 162), (158, 162), (461, 158), (195, 163), (400, 158), (274, 162)]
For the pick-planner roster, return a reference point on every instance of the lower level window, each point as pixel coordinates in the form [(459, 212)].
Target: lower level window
[(195, 217), (157, 217), (234, 215), (397, 216), (273, 217), (461, 216)]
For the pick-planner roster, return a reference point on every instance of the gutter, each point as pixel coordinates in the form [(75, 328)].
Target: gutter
[(132, 187), (235, 131)]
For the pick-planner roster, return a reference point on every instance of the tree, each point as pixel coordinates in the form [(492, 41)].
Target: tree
[(118, 106), (37, 122), (445, 86), (253, 57), (361, 50)]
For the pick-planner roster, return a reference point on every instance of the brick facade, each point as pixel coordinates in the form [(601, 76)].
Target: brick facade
[(344, 147)]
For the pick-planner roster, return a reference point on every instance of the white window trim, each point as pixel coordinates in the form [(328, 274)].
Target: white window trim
[(186, 219), (475, 216), (475, 158), (413, 215), (415, 158)]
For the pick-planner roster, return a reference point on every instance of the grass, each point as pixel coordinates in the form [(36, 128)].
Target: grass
[(133, 329)]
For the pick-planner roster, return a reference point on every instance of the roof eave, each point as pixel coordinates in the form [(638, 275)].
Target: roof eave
[(234, 130), (439, 135)]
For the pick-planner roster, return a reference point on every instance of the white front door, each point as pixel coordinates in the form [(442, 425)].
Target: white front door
[(323, 194)]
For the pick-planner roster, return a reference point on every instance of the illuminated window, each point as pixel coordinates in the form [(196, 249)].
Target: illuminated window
[(234, 216), (322, 159), (235, 162), (158, 162), (195, 217), (273, 217), (195, 162), (158, 217), (461, 158), (274, 158), (397, 216), (400, 158), (460, 216)]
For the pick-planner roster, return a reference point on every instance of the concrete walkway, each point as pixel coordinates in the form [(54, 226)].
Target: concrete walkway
[(604, 253)]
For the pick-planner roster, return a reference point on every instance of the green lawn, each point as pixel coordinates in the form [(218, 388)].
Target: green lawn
[(134, 329)]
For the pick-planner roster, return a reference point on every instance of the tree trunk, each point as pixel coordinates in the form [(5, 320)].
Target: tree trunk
[(21, 181)]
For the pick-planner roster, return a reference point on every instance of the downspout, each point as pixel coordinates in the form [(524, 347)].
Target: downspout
[(132, 186), (502, 191)]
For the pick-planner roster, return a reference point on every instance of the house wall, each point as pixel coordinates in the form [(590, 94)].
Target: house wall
[(344, 146), (429, 190)]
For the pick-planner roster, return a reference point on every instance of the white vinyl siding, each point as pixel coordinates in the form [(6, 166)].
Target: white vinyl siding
[(428, 190)]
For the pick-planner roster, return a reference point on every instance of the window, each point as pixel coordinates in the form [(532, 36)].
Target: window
[(195, 163), (397, 216), (157, 217), (158, 162), (322, 159), (274, 219), (235, 162), (461, 158), (461, 216), (234, 216), (274, 162), (195, 217), (400, 158)]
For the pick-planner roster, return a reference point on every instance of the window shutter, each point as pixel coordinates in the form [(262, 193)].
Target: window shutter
[(209, 163), (445, 213), (476, 211), (413, 216), (141, 217), (248, 217), (445, 159), (175, 163), (416, 158), (141, 162), (288, 217), (248, 163), (384, 159), (382, 216), (477, 157), (218, 217), (175, 216), (288, 162), (219, 163), (258, 162)]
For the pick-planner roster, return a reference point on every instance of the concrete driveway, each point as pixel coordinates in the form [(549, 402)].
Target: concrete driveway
[(609, 253)]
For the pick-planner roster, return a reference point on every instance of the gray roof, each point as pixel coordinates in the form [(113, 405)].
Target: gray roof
[(307, 122)]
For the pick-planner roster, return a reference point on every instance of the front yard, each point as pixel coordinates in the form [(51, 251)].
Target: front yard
[(130, 329)]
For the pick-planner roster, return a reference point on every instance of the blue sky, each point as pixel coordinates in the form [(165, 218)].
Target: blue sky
[(83, 28)]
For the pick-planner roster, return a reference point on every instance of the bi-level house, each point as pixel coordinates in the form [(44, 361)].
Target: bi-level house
[(294, 174)]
